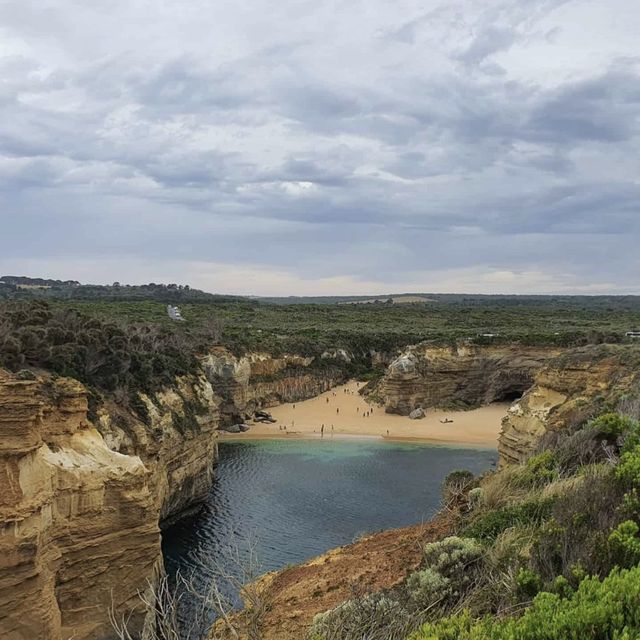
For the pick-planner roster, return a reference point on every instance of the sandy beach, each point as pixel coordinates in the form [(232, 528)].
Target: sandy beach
[(344, 412)]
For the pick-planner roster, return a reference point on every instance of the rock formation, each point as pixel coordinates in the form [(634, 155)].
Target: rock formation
[(567, 391), (79, 521), (259, 380), (459, 376), (83, 498)]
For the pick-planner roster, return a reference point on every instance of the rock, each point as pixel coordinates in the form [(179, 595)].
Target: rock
[(70, 508), (260, 380), (417, 414), (81, 501), (466, 375), (566, 392)]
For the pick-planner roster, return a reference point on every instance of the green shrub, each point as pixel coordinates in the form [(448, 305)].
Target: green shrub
[(625, 543), (529, 583), (612, 425), (597, 610), (628, 471), (537, 471), (451, 566), (489, 525)]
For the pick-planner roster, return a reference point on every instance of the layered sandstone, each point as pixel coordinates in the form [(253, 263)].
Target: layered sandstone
[(566, 392), (177, 443), (260, 380), (82, 502), (461, 375), (79, 521)]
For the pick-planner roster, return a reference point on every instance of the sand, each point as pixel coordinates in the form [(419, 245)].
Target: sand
[(343, 411)]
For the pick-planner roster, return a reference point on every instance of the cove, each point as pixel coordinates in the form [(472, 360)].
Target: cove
[(296, 499)]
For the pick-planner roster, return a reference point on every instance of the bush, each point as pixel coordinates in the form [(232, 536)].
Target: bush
[(625, 543), (612, 425), (450, 569), (537, 471), (529, 582), (628, 471), (456, 484), (102, 354), (577, 533), (492, 523), (374, 617), (597, 610)]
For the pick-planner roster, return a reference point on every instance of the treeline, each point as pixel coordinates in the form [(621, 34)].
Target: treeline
[(21, 288), (104, 354)]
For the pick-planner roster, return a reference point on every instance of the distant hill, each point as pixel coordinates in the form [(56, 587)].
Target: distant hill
[(567, 302), (23, 287)]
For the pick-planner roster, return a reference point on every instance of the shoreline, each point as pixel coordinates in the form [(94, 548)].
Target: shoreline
[(434, 442), (346, 415)]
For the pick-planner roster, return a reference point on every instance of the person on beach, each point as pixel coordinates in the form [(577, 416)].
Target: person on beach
[(322, 431), (337, 409)]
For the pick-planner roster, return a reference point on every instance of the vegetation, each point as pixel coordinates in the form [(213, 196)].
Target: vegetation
[(546, 550), (309, 329), (101, 353)]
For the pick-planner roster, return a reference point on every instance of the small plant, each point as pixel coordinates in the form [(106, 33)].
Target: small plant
[(529, 583), (456, 484), (450, 568), (625, 543)]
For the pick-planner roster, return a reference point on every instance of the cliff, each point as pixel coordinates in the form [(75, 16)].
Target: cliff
[(568, 390), (459, 376), (84, 497), (260, 380), (79, 521)]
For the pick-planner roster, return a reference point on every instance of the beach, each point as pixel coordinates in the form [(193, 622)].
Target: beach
[(345, 413)]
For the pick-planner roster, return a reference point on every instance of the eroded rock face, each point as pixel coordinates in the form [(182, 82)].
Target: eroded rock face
[(79, 521), (566, 392), (81, 502), (260, 380), (461, 375), (178, 444)]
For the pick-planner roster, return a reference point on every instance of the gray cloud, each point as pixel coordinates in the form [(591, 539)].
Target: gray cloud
[(466, 145)]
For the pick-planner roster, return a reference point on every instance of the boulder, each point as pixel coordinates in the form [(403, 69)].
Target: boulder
[(417, 414), (231, 428)]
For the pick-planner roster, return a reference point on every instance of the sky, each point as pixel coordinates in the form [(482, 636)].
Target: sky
[(323, 147)]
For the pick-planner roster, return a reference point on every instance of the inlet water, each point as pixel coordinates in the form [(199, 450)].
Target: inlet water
[(296, 499)]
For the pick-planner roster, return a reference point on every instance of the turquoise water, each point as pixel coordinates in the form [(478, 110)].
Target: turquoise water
[(297, 498)]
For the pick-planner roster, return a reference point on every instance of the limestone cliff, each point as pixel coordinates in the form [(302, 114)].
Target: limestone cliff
[(260, 380), (79, 521), (81, 502), (464, 375), (567, 391), (83, 498)]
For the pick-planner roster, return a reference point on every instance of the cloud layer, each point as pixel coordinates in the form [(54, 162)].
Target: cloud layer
[(323, 147)]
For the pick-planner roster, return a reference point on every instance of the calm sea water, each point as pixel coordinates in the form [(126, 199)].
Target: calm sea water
[(297, 498)]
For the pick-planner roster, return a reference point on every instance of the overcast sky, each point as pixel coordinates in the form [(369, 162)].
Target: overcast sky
[(323, 147)]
